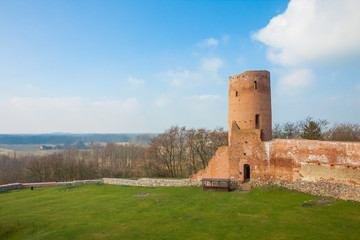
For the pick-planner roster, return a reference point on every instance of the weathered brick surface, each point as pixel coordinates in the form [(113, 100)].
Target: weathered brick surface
[(218, 166), (149, 182), (325, 166), (246, 101), (314, 160), (289, 160)]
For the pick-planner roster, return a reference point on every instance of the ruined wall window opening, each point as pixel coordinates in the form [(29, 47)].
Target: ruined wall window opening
[(255, 85), (246, 173), (257, 121), (236, 93)]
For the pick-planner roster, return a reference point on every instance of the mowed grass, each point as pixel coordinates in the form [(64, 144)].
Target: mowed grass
[(120, 212)]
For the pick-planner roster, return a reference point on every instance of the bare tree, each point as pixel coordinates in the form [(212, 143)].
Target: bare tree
[(168, 150), (344, 132), (277, 131), (291, 130), (180, 152)]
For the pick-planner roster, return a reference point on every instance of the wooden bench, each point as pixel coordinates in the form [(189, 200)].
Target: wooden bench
[(216, 184)]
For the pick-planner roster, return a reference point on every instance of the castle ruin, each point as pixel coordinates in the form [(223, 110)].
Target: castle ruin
[(252, 154)]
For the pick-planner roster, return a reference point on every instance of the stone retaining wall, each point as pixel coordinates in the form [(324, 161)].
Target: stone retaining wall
[(149, 182), (79, 182), (336, 190), (39, 184), (11, 186), (329, 189)]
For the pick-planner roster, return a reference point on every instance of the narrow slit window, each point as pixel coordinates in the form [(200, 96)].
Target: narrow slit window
[(236, 94), (257, 121), (255, 85)]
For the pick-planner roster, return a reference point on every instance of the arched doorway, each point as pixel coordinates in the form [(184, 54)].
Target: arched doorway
[(246, 172)]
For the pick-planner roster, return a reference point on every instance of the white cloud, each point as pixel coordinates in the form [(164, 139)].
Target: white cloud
[(207, 97), (225, 38), (79, 115), (240, 60), (180, 78), (310, 31), (211, 64), (45, 102), (334, 99), (207, 43), (135, 82), (207, 71), (181, 107), (294, 81), (128, 105), (162, 101), (30, 87), (70, 114)]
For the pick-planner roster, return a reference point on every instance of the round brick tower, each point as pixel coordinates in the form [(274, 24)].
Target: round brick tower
[(250, 102)]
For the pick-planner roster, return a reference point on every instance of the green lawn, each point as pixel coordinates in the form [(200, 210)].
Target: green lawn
[(120, 212)]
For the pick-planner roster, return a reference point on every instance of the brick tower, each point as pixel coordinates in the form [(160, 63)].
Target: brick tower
[(250, 102)]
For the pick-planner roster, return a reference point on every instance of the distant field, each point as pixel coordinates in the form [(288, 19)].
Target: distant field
[(22, 149), (73, 138), (120, 212)]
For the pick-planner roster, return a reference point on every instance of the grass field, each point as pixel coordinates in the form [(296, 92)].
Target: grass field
[(120, 212)]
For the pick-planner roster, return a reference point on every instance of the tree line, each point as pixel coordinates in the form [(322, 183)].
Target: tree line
[(317, 130), (178, 152)]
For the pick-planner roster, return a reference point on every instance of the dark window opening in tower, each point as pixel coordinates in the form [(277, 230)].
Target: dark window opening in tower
[(257, 121), (236, 93), (255, 85), (246, 173)]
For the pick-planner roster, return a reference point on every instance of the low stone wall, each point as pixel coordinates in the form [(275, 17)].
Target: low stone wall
[(149, 182), (39, 184), (329, 189), (79, 182), (11, 186)]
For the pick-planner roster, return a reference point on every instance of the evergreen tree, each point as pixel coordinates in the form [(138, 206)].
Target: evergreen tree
[(313, 129)]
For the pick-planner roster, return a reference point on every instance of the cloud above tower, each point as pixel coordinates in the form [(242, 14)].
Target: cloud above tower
[(311, 31), (293, 81), (207, 70)]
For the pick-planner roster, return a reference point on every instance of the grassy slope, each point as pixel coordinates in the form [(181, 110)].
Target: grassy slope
[(112, 212)]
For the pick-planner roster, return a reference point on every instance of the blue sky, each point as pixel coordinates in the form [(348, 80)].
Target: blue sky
[(143, 66)]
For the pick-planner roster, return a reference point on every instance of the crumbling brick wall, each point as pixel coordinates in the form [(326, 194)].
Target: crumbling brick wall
[(283, 159), (218, 167), (314, 160), (252, 151)]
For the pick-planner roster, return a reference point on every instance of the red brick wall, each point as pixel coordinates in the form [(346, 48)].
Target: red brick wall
[(279, 159), (288, 160), (314, 160)]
